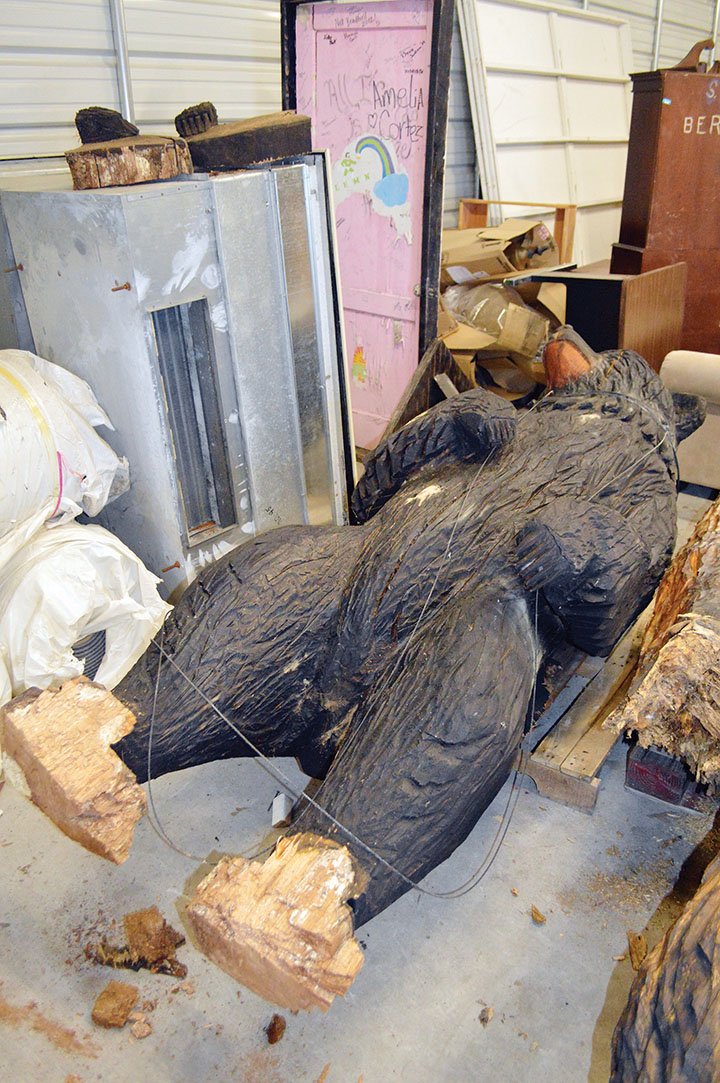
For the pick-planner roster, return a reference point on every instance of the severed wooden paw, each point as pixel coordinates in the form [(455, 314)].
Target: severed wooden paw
[(196, 119), (58, 743), (96, 124), (283, 928)]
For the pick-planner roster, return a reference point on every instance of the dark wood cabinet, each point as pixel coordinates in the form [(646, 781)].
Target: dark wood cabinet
[(671, 204), (642, 312)]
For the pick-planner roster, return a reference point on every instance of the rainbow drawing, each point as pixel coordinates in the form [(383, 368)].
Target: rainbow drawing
[(371, 142), (392, 188)]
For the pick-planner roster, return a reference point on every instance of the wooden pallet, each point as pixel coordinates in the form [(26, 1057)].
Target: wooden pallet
[(566, 762)]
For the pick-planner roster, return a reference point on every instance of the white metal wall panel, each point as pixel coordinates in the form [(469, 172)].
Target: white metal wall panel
[(55, 57), (187, 51), (461, 177), (552, 102), (640, 14)]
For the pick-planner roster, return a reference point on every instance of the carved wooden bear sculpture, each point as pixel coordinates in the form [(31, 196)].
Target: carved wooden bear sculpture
[(396, 658)]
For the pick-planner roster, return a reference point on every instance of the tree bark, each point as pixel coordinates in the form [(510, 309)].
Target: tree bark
[(674, 702)]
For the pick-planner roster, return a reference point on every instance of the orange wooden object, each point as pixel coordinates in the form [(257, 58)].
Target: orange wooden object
[(473, 214)]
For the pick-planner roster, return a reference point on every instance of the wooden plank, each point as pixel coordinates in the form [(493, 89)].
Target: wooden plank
[(593, 748), (446, 385), (422, 392), (551, 782), (555, 749)]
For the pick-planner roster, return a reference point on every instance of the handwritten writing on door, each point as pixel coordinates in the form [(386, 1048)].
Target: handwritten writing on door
[(363, 77)]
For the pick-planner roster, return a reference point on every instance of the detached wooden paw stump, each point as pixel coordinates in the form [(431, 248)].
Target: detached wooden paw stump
[(60, 740), (283, 928)]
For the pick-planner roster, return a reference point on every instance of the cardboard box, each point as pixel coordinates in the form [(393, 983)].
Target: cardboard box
[(545, 298), (493, 253)]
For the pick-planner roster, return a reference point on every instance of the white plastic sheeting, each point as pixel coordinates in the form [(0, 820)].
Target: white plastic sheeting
[(53, 464), (66, 583)]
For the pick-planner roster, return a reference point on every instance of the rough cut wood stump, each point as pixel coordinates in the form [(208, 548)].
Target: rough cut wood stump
[(283, 927), (128, 161), (58, 743), (674, 702)]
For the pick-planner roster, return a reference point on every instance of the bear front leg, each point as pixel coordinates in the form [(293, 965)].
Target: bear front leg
[(432, 742), (472, 424)]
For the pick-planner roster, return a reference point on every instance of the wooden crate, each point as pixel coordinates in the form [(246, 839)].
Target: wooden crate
[(473, 214)]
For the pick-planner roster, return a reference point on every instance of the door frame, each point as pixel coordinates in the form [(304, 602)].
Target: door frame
[(439, 86)]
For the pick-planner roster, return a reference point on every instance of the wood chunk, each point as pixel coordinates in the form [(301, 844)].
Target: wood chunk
[(114, 1004), (141, 1028), (637, 946), (245, 142), (128, 161), (537, 915), (149, 936), (486, 1015), (151, 944), (60, 739), (282, 928), (674, 703), (275, 1029)]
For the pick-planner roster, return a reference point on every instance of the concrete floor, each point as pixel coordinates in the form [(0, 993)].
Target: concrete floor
[(431, 965)]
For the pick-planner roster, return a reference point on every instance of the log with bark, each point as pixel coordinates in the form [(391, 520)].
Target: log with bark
[(674, 701), (670, 1028), (396, 658), (113, 152)]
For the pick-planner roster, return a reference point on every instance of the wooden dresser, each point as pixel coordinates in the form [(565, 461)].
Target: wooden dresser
[(671, 205)]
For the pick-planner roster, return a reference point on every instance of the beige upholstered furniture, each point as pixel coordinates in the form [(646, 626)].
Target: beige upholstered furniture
[(698, 374)]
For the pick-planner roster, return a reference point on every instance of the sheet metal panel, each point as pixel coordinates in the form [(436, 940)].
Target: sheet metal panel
[(250, 243), (106, 344), (461, 177), (255, 249)]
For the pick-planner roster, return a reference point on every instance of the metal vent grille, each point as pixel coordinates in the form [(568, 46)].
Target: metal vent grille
[(91, 651)]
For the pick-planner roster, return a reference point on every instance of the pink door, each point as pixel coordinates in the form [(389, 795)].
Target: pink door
[(363, 76)]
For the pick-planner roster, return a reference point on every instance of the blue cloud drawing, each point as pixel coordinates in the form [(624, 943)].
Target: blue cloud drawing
[(393, 189)]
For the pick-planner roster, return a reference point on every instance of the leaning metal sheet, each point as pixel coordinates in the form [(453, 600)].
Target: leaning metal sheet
[(306, 354), (248, 228)]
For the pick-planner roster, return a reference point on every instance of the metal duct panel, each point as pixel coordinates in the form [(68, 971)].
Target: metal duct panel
[(250, 243), (204, 314)]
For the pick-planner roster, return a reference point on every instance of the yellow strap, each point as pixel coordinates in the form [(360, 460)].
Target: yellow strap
[(42, 424)]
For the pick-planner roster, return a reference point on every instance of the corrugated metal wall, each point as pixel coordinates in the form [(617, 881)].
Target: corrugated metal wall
[(58, 55), (55, 55), (187, 51), (684, 22)]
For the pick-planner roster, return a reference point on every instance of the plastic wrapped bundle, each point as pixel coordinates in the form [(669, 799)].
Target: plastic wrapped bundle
[(73, 597), (53, 463)]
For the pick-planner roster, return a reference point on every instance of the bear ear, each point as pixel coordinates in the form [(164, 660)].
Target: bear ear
[(567, 357), (689, 414)]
